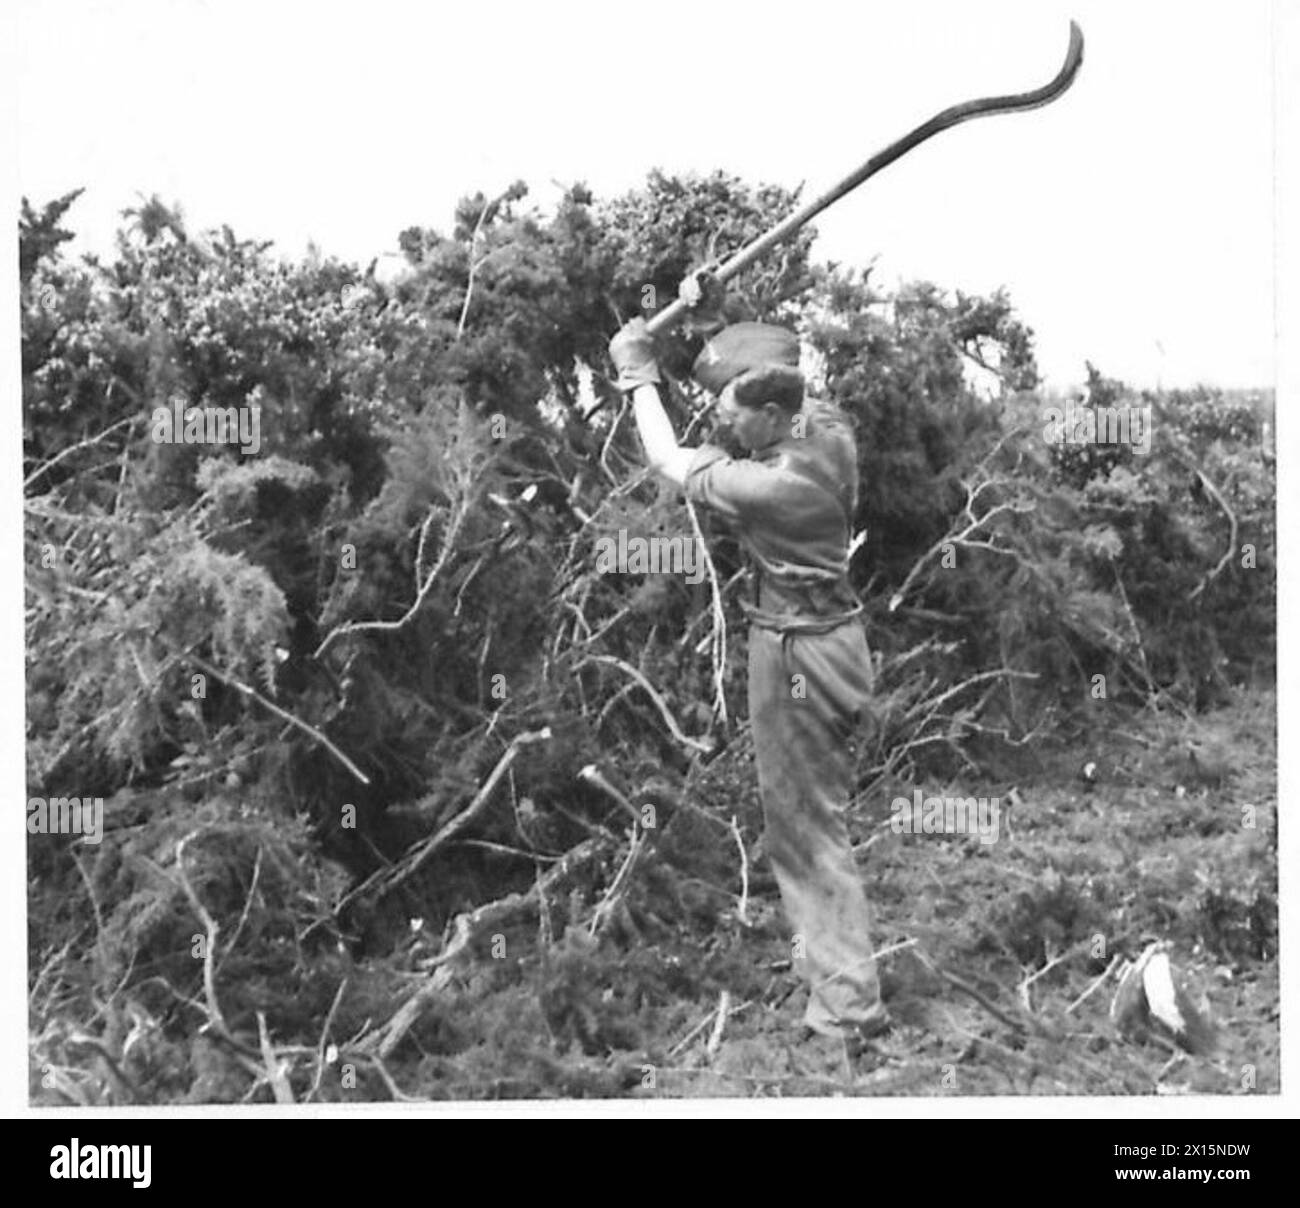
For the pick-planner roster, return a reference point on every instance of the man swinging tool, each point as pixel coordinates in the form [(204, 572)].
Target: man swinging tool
[(791, 503)]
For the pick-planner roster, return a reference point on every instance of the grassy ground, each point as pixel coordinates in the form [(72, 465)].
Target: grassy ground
[(999, 961), (1151, 847)]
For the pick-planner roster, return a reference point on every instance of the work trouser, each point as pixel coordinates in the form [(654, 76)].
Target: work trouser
[(808, 694)]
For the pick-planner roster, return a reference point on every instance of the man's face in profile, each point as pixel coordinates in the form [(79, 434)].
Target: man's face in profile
[(753, 427)]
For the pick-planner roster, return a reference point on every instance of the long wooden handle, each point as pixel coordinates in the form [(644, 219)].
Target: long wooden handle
[(673, 314)]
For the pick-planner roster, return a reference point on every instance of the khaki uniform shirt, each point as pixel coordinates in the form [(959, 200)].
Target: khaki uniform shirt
[(791, 505)]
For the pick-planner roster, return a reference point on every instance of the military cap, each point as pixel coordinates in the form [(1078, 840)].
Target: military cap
[(741, 347)]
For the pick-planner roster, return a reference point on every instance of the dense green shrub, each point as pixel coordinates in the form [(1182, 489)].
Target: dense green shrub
[(318, 653)]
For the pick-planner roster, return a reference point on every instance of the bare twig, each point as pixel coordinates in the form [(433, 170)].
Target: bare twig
[(966, 988), (608, 707), (385, 880), (248, 902), (125, 1087), (396, 1091), (609, 442), (711, 1017), (989, 1042), (469, 578), (689, 631), (963, 536), (545, 928), (465, 478), (959, 983), (1177, 1059), (705, 747), (475, 265), (504, 849), (213, 929), (719, 642), (1028, 982), (901, 946), (280, 1087), (592, 775), (309, 730), (715, 1038), (741, 910), (607, 626), (46, 466), (383, 1040), (1228, 554), (94, 906), (1096, 985), (324, 1037), (460, 510), (1137, 633), (617, 890)]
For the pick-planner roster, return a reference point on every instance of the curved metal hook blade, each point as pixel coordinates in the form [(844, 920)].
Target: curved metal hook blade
[(1021, 100), (954, 115)]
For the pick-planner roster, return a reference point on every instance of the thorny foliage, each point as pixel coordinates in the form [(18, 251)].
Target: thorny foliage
[(286, 672)]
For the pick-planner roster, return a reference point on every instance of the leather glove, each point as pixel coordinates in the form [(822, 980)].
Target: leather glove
[(700, 288), (702, 293), (632, 351)]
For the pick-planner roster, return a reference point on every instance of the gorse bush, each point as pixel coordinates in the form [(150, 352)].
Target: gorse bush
[(317, 654)]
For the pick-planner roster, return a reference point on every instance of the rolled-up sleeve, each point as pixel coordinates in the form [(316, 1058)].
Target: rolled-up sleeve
[(739, 492)]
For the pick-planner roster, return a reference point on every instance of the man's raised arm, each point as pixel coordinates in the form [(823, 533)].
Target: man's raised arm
[(638, 374)]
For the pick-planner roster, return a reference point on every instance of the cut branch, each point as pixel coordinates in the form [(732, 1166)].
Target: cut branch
[(474, 265), (280, 1087), (741, 910), (213, 929), (1028, 1023), (715, 1038), (386, 880), (460, 511), (1218, 498), (1096, 985), (963, 537), (382, 1041), (311, 731), (609, 904), (46, 466), (592, 775), (705, 747), (718, 649)]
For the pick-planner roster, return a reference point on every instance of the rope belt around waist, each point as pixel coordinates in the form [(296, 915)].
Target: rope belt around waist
[(790, 623)]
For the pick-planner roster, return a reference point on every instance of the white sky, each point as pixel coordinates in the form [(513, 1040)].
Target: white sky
[(1133, 215)]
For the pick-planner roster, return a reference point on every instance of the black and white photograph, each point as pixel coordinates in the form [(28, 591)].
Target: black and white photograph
[(641, 559)]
